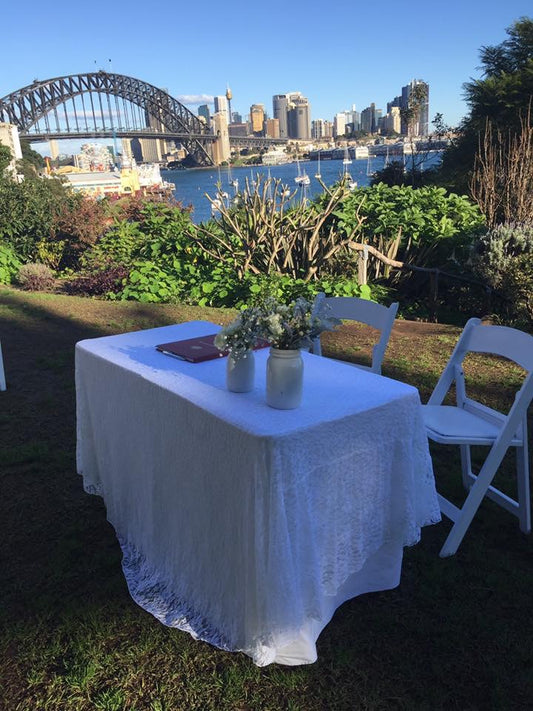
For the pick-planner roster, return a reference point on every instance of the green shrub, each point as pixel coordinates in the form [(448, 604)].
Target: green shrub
[(9, 264), (424, 226), (35, 277), (503, 258)]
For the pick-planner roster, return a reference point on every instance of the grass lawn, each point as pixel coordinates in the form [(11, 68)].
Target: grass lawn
[(456, 634)]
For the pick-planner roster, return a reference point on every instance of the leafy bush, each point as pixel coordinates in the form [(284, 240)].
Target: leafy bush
[(9, 264), (424, 226), (35, 277), (503, 258), (99, 283)]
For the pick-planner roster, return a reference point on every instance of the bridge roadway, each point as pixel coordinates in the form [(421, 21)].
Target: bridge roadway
[(237, 141)]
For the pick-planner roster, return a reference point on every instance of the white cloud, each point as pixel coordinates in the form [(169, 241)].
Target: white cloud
[(195, 99)]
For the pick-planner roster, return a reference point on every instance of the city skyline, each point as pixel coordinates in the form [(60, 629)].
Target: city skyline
[(355, 56)]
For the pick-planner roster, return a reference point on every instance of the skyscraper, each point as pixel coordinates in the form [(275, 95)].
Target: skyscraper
[(299, 117), (257, 118), (203, 110), (280, 104), (416, 93)]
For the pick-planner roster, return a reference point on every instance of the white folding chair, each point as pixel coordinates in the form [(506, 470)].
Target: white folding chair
[(2, 371), (369, 313), (471, 423)]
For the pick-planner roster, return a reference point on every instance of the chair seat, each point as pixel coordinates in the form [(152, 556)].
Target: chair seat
[(453, 425)]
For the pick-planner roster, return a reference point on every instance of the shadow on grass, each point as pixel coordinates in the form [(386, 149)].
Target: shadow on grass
[(455, 633)]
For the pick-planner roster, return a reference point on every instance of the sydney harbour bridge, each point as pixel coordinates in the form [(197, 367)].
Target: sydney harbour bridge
[(107, 105)]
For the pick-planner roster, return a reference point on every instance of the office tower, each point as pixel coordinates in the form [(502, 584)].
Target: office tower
[(257, 118), (221, 105), (392, 122), (420, 126), (203, 110), (339, 125), (299, 117), (236, 117), (280, 104), (369, 119), (272, 128), (321, 129)]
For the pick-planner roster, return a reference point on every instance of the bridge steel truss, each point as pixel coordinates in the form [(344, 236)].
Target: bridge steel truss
[(26, 107)]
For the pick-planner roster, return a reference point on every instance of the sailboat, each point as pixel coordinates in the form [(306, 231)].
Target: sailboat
[(302, 178), (346, 160), (317, 174)]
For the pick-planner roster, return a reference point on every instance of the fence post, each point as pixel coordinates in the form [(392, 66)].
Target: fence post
[(362, 266), (433, 294)]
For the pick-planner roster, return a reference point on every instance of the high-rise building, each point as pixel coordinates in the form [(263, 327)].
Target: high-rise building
[(236, 117), (272, 128), (257, 118), (280, 105), (321, 129), (294, 115), (369, 118), (203, 110), (392, 122), (299, 118), (420, 125), (339, 125)]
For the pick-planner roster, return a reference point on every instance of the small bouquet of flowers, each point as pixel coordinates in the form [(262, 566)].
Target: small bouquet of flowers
[(242, 334), (294, 326)]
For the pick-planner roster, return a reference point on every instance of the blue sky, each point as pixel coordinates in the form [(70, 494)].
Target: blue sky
[(337, 55)]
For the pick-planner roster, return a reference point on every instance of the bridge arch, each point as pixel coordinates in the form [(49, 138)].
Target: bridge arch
[(27, 106)]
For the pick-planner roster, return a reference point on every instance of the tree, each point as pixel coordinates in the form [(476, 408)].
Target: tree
[(5, 158), (502, 96)]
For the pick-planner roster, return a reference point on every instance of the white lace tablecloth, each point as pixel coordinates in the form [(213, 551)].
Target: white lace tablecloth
[(241, 524)]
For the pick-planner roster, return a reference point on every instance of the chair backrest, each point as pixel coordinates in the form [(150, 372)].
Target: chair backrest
[(369, 313), (502, 341)]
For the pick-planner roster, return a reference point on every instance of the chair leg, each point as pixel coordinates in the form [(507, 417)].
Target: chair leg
[(522, 480), (2, 372), (466, 465), (473, 501)]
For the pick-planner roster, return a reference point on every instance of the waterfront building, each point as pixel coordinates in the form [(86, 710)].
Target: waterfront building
[(257, 119), (203, 111), (272, 128), (276, 156), (94, 157), (9, 136)]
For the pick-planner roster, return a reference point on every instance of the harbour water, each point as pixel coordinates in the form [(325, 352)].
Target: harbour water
[(192, 185)]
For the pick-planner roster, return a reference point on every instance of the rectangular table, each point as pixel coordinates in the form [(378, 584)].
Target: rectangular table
[(244, 525)]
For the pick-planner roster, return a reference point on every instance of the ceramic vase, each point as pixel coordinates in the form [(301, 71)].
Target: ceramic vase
[(284, 379), (240, 372)]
